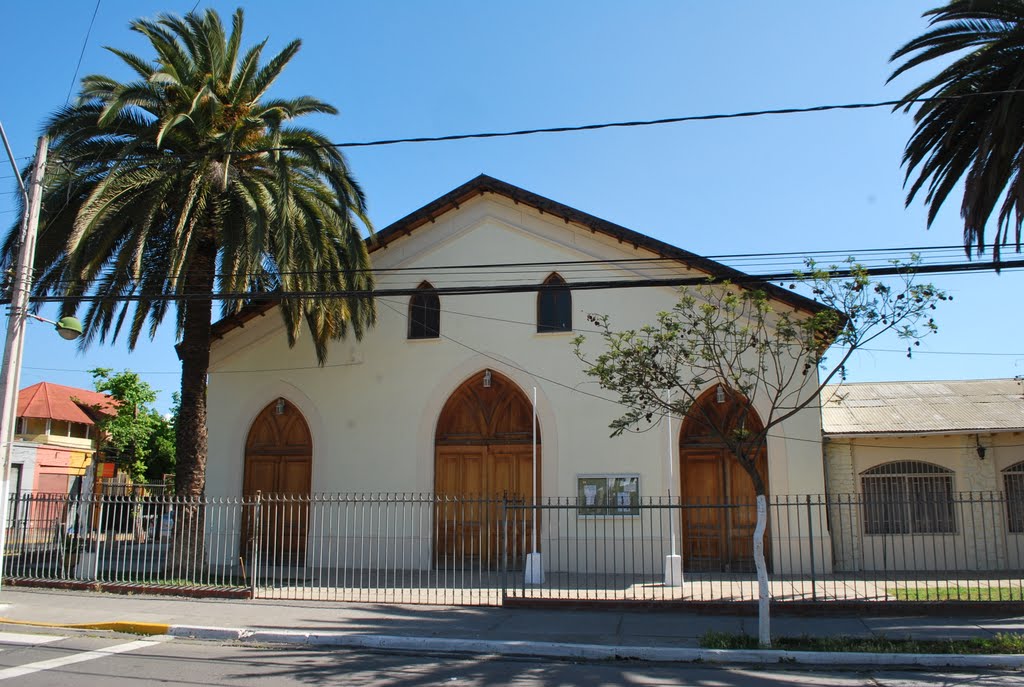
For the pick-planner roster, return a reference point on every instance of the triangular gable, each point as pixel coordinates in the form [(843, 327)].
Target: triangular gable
[(483, 184)]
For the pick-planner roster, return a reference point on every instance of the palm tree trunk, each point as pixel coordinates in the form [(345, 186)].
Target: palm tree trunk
[(188, 557)]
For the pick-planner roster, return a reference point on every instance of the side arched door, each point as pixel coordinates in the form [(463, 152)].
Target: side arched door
[(718, 496), (278, 467)]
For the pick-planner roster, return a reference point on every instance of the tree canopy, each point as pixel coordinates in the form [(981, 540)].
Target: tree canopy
[(187, 181), (970, 128), (136, 436)]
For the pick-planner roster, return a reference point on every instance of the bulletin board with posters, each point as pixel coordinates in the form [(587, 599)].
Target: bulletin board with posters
[(608, 494)]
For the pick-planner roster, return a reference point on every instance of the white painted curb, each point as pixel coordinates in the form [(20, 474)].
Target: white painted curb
[(599, 652)]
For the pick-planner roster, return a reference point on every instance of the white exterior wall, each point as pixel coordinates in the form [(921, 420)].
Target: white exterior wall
[(373, 408), (981, 540)]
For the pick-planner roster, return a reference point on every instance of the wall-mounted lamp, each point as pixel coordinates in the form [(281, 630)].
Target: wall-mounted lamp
[(279, 407), (978, 447), (487, 379), (720, 394)]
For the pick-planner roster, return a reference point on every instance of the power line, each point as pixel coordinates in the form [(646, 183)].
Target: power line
[(881, 257), (754, 280), (168, 155), (81, 55)]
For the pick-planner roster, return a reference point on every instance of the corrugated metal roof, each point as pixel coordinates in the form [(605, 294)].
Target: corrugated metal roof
[(923, 407), (58, 402)]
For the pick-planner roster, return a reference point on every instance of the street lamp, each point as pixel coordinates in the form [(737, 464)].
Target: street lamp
[(69, 328), (10, 375)]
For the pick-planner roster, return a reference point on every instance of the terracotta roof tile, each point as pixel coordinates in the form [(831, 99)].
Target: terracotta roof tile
[(57, 402)]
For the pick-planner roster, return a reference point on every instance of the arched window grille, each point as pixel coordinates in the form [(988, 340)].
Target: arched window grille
[(554, 306), (1013, 487), (424, 313), (908, 497)]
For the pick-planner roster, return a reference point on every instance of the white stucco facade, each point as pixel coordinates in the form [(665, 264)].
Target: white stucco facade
[(373, 409)]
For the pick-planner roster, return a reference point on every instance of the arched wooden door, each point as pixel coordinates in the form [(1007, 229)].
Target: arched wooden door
[(483, 456), (278, 465), (718, 496)]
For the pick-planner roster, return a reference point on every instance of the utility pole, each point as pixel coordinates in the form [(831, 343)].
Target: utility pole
[(10, 375)]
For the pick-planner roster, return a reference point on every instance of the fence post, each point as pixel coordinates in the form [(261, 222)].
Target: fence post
[(255, 548), (504, 546), (810, 545), (99, 540)]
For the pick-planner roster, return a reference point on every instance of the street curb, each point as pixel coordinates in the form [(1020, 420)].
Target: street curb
[(599, 652), (126, 626)]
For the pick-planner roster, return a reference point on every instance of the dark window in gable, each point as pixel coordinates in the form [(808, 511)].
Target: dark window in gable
[(554, 306), (424, 313)]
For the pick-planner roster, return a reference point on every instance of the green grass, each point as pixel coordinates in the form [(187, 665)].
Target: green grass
[(956, 593), (1003, 643)]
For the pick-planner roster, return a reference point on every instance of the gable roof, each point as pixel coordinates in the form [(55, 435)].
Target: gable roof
[(484, 184), (57, 402), (941, 407)]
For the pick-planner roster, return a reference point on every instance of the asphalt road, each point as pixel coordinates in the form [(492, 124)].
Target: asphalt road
[(37, 658)]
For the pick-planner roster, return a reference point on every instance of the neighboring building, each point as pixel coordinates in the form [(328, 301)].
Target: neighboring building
[(926, 473), (437, 397), (55, 438)]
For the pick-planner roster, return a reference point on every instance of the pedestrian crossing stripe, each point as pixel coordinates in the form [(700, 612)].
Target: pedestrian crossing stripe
[(21, 638)]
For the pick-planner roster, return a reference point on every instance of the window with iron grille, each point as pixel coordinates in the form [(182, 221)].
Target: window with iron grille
[(424, 313), (1013, 487), (908, 497), (554, 306)]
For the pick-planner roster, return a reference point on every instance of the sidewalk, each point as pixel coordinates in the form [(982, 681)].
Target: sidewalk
[(590, 634)]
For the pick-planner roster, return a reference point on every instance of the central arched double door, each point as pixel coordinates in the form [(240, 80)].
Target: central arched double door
[(483, 463)]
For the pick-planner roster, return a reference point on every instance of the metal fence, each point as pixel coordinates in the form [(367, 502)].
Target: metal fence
[(424, 548)]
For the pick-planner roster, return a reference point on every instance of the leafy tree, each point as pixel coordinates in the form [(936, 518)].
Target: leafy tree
[(767, 358), (187, 182), (136, 435), (963, 136), (161, 445)]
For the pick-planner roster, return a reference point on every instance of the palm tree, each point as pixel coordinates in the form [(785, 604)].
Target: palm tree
[(186, 184), (961, 135)]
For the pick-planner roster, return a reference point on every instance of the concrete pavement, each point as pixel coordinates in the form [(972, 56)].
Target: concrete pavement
[(581, 634)]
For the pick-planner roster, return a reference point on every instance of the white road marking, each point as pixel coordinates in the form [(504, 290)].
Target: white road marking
[(52, 663), (19, 638)]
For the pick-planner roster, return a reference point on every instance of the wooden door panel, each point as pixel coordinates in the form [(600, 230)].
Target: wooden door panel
[(460, 523), (743, 516), (512, 480), (260, 475), (718, 536), (294, 475), (478, 480), (703, 518)]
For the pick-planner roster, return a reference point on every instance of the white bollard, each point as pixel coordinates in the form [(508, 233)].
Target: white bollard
[(673, 570), (534, 569)]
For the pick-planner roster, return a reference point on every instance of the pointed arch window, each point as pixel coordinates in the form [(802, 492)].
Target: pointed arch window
[(1013, 487), (554, 306), (908, 496), (425, 313)]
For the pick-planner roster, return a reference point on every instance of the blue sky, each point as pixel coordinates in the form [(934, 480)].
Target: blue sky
[(794, 183)]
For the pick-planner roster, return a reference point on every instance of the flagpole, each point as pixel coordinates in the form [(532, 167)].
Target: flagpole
[(673, 561), (534, 567)]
